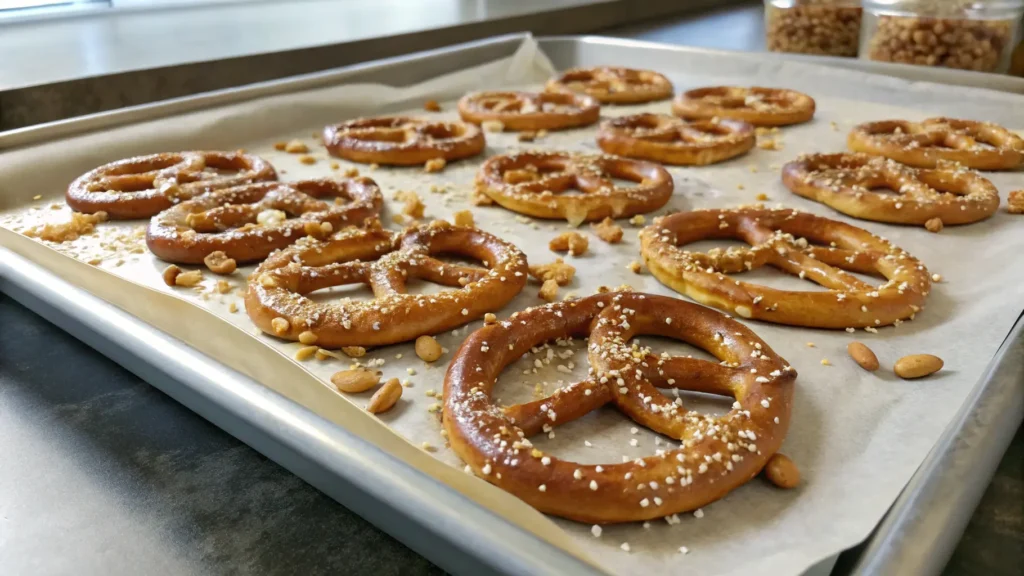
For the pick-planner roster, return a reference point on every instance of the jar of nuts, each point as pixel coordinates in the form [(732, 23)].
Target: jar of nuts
[(970, 35), (821, 27)]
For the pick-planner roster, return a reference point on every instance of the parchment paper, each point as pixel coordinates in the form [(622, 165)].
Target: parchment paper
[(856, 436)]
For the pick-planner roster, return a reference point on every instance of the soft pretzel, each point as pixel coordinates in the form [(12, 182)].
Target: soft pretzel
[(846, 183), (613, 85), (530, 111), (249, 222), (978, 145), (401, 141), (278, 295), (755, 105), (781, 238), (717, 453), (669, 140), (530, 182), (142, 186)]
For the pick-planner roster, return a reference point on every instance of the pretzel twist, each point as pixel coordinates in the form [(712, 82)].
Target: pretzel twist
[(978, 145), (779, 238), (142, 186), (755, 105), (528, 111), (669, 140), (613, 85), (402, 141), (716, 455)]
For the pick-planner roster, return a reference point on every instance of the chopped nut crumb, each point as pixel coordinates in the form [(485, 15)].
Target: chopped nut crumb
[(490, 318), (527, 136), (933, 225), (307, 159), (549, 291), (296, 147), (219, 263), (493, 126), (558, 271), (305, 353), (464, 218), (1015, 202), (414, 206), (608, 231), (307, 337), (334, 165), (79, 225), (638, 220), (428, 349), (280, 146), (431, 106), (573, 242), (634, 267), (280, 326), (762, 196), (189, 279), (354, 351), (350, 172), (232, 307), (223, 287), (825, 362), (434, 165)]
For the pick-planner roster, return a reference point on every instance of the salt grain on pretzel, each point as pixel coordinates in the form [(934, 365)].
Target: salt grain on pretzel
[(669, 140), (755, 105), (718, 453), (518, 111), (402, 141), (613, 85), (978, 145)]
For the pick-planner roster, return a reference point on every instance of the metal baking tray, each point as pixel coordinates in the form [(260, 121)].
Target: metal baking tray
[(917, 536)]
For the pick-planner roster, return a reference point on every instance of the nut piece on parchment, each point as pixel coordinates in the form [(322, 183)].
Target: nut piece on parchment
[(934, 225), (863, 356), (548, 291), (572, 242), (558, 271), (917, 366), (219, 263), (954, 42), (79, 225), (782, 472), (1015, 204), (428, 349), (822, 27), (607, 230), (431, 106), (355, 380), (385, 398), (463, 218), (188, 279), (171, 274)]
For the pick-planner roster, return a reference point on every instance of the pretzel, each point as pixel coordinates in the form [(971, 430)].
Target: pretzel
[(716, 455), (278, 295), (780, 238), (249, 222), (529, 183), (978, 145), (756, 105), (669, 140), (529, 111), (142, 186), (845, 182), (401, 141), (613, 85)]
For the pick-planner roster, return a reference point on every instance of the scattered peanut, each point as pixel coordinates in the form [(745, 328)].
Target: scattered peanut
[(171, 274), (189, 279), (558, 271), (608, 231), (434, 165), (1015, 204), (223, 287), (634, 267), (527, 136), (307, 337), (863, 356), (573, 242), (782, 472), (917, 366), (307, 159), (219, 263), (428, 349), (638, 220), (355, 380), (493, 126), (305, 353), (933, 225), (820, 29), (431, 106), (549, 291), (954, 42), (280, 326), (280, 146), (413, 205), (350, 172), (490, 318), (354, 351), (296, 147), (385, 398), (464, 218)]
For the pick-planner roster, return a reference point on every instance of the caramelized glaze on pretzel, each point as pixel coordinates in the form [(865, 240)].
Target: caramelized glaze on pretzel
[(279, 287), (669, 140), (401, 141), (780, 238), (845, 182), (755, 105), (530, 111), (613, 85), (530, 182), (717, 454), (142, 186), (230, 220), (979, 145)]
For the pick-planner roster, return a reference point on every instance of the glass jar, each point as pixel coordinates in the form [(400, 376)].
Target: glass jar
[(821, 27), (969, 35)]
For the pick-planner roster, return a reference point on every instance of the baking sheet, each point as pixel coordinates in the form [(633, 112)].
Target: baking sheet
[(855, 461)]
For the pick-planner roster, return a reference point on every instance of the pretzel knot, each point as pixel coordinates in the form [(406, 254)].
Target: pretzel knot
[(402, 141), (142, 186), (249, 222), (756, 105), (613, 85), (280, 288), (846, 182), (717, 454), (529, 111), (669, 140), (783, 239), (979, 145), (530, 183)]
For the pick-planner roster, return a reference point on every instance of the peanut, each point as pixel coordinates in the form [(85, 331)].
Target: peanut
[(822, 30), (296, 147), (280, 326), (863, 355), (434, 165), (917, 366), (464, 218), (385, 398), (428, 349), (953, 42), (782, 472), (558, 271), (573, 242), (189, 279), (608, 231), (354, 351), (219, 263), (549, 291), (170, 274), (933, 225), (307, 338), (355, 380), (431, 106), (1015, 202)]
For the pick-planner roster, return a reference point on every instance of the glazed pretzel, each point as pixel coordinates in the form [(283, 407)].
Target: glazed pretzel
[(279, 287), (401, 141), (528, 111), (142, 186), (529, 183), (978, 145), (779, 238), (755, 105), (613, 85), (249, 222), (669, 140), (845, 182), (717, 454)]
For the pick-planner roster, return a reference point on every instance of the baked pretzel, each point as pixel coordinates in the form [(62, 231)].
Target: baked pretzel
[(277, 298), (978, 145), (845, 182), (669, 140), (718, 453), (249, 222), (529, 183), (780, 238), (613, 85), (756, 105), (529, 111), (142, 186), (401, 141)]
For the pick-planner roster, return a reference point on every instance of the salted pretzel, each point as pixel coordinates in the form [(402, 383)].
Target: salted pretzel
[(402, 141), (978, 145), (845, 182), (278, 295), (530, 183), (782, 238), (142, 186), (669, 140), (613, 85), (529, 111), (755, 105), (716, 455), (249, 222)]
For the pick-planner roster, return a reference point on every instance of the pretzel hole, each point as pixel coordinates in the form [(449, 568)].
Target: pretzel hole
[(351, 292), (456, 263), (561, 363), (225, 165)]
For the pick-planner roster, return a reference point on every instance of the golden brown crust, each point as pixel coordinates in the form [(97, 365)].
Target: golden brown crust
[(978, 145), (755, 105), (402, 141), (613, 85), (669, 140), (519, 111)]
